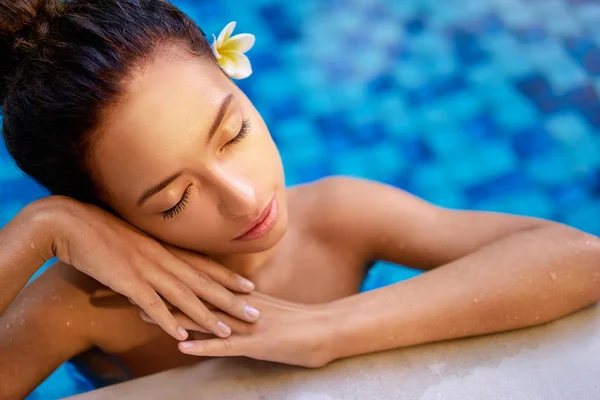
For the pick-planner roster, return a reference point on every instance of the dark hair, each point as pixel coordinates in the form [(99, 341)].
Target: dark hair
[(62, 63)]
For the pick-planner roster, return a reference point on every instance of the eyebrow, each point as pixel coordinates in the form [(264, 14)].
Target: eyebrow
[(211, 133), (220, 115), (157, 188)]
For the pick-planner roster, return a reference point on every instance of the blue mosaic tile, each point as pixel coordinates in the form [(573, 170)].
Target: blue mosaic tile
[(510, 182), (415, 25), (580, 47), (536, 88), (276, 17), (484, 104), (416, 151), (482, 127), (532, 141), (530, 35), (568, 194), (467, 48)]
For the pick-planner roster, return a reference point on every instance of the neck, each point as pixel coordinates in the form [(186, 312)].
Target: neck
[(247, 265)]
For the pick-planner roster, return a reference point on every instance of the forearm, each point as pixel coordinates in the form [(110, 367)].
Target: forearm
[(526, 279), (24, 247)]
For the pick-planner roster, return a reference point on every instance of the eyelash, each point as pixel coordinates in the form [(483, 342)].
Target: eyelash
[(177, 208), (241, 135), (171, 212)]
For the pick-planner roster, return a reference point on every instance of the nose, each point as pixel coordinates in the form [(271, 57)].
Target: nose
[(236, 195)]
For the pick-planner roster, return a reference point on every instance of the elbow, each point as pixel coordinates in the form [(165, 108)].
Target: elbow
[(587, 254)]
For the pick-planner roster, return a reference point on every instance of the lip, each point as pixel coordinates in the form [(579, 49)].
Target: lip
[(263, 224)]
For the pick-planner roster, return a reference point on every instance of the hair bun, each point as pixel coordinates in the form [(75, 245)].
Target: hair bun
[(23, 25)]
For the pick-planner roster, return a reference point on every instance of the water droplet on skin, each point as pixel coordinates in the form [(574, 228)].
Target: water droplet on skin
[(32, 245), (7, 326), (587, 242), (475, 300), (22, 321), (71, 307), (553, 276)]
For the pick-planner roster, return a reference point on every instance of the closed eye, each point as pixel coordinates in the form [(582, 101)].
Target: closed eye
[(177, 208), (241, 135)]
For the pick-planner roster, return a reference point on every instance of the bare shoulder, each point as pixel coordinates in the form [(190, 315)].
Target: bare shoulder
[(357, 214), (382, 222), (329, 207)]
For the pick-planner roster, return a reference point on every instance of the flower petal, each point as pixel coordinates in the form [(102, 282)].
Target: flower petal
[(228, 65), (225, 33), (215, 49), (243, 69), (242, 43)]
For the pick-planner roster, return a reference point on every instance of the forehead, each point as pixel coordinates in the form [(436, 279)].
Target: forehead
[(167, 107)]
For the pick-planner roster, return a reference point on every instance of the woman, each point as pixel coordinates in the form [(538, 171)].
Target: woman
[(167, 183)]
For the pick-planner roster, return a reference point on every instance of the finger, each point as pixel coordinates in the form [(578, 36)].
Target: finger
[(182, 319), (237, 326), (181, 296), (207, 289), (149, 301), (217, 272), (232, 346)]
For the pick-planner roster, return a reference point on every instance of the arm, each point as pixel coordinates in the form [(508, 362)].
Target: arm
[(493, 272), (47, 324), (40, 325), (121, 257), (489, 272), (23, 250), (525, 279)]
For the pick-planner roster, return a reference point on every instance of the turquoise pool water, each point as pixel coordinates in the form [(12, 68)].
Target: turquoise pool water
[(483, 104)]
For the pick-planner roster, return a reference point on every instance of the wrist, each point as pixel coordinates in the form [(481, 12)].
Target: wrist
[(329, 341)]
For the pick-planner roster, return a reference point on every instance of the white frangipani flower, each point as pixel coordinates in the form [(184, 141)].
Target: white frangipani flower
[(229, 51)]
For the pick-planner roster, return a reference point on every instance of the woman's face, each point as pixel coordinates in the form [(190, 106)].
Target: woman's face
[(185, 157)]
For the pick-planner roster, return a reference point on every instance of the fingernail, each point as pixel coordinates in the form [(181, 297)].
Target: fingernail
[(224, 329), (252, 312), (187, 345), (247, 285), (182, 333)]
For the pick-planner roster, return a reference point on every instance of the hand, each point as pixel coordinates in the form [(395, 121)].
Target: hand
[(137, 266), (287, 333)]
